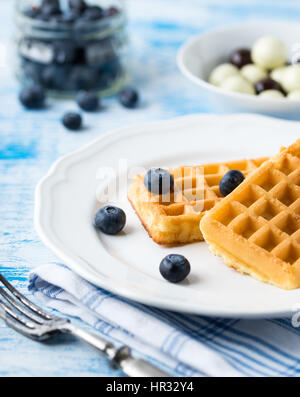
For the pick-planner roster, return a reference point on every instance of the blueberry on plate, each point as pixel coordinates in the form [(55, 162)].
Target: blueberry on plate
[(110, 219), (174, 268), (128, 97), (230, 181), (87, 101), (159, 181), (32, 97), (72, 121)]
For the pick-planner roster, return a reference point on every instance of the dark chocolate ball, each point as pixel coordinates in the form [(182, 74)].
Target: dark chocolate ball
[(240, 57), (267, 84)]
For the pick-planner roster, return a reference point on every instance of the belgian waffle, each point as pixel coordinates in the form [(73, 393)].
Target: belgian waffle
[(256, 227), (175, 219)]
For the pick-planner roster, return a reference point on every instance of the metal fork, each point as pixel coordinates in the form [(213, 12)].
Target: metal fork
[(30, 320)]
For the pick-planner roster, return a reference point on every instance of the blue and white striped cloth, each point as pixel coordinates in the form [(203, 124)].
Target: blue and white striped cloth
[(182, 344)]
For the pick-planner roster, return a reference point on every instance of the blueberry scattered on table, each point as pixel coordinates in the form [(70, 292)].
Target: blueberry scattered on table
[(32, 97), (128, 97), (87, 101), (230, 181), (240, 57), (110, 219), (72, 121), (174, 268), (159, 181)]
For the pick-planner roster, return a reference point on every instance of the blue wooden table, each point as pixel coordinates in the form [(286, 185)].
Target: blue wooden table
[(31, 141)]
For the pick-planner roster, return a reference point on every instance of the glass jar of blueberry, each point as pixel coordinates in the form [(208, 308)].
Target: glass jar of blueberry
[(71, 45)]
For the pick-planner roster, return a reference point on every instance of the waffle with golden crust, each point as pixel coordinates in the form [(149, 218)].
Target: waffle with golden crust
[(174, 218), (256, 228)]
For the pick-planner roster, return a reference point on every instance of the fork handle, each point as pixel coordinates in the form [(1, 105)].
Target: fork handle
[(119, 358)]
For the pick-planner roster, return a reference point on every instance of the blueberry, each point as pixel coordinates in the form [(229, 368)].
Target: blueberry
[(128, 97), (64, 52), (159, 181), (49, 9), (110, 219), (68, 17), (87, 101), (99, 52), (54, 3), (32, 12), (78, 5), (32, 97), (174, 268), (108, 72), (108, 75), (53, 76), (81, 78), (230, 181), (93, 13), (72, 121), (31, 71)]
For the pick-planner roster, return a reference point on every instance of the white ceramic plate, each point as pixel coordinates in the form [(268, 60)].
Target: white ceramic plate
[(201, 53), (128, 264)]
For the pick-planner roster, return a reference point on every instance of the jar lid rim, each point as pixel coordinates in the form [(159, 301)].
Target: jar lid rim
[(119, 20)]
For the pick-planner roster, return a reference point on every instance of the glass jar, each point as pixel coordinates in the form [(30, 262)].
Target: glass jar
[(71, 50)]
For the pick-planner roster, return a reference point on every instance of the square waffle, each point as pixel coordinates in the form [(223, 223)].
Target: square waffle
[(175, 219), (256, 227)]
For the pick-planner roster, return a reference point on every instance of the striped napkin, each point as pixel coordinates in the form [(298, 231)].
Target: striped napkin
[(181, 344)]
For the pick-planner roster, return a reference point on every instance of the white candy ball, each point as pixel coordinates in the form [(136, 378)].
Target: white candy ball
[(222, 72), (291, 78), (253, 73), (278, 74), (238, 83), (271, 94), (269, 52), (294, 95)]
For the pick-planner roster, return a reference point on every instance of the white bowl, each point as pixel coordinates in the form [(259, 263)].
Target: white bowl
[(200, 54)]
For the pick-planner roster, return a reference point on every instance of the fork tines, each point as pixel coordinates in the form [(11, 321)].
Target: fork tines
[(19, 312)]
